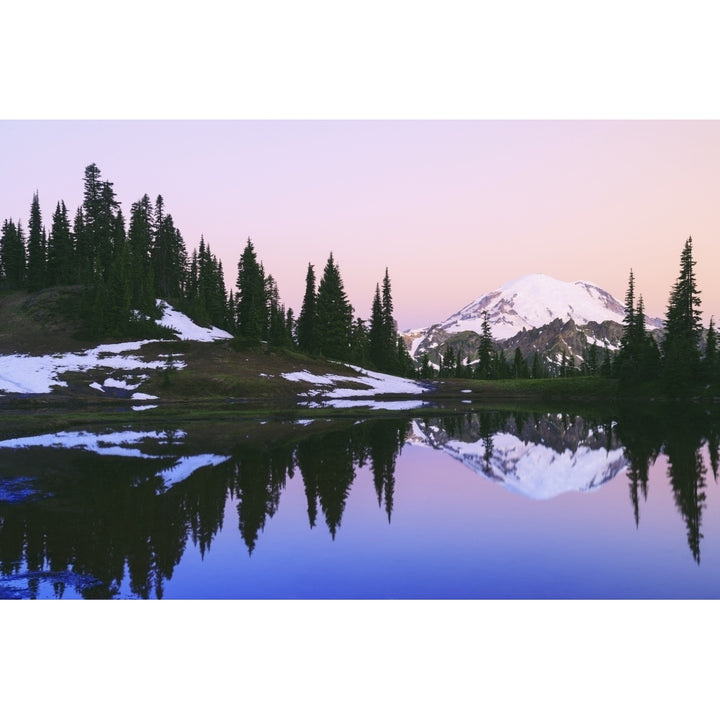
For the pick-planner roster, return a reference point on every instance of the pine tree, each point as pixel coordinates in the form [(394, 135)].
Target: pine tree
[(168, 253), (334, 314), (290, 327), (360, 342), (376, 335), (538, 371), (307, 320), (12, 255), (252, 309), (447, 367), (35, 251), (485, 350), (710, 360), (139, 241), (98, 212), (426, 370), (406, 367), (390, 361), (60, 252), (680, 347), (520, 368)]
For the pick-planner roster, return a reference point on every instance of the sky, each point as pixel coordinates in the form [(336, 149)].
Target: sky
[(452, 208)]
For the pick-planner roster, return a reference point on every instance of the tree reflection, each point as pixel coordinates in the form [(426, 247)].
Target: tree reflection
[(680, 433), (96, 523), (102, 526)]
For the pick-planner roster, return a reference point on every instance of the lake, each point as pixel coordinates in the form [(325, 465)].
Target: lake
[(463, 505)]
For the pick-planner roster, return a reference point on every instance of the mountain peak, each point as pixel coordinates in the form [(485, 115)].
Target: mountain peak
[(533, 301)]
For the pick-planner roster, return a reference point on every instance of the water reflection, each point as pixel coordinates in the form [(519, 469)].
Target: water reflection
[(111, 514), (680, 436)]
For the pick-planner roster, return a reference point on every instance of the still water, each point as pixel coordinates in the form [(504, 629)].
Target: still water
[(469, 505)]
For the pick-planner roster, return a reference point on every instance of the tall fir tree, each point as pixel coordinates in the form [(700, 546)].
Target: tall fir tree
[(35, 248), (252, 310), (61, 269), (307, 319), (96, 240), (683, 329), (376, 334), (334, 314), (485, 350), (12, 255), (168, 253), (391, 360), (139, 242), (710, 359)]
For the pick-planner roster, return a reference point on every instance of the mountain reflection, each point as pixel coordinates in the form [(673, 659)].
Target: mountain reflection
[(110, 515), (539, 456)]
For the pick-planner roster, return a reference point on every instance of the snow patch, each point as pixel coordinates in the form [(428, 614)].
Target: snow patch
[(32, 374), (186, 329)]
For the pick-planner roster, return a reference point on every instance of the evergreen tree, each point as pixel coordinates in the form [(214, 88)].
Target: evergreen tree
[(710, 360), (277, 331), (334, 314), (139, 240), (377, 331), (168, 253), (60, 252), (81, 249), (520, 367), (637, 359), (680, 347), (485, 350), (447, 366), (118, 314), (360, 342), (390, 360), (252, 309), (426, 370), (307, 320), (35, 251), (406, 367), (290, 327), (606, 369), (12, 255), (98, 211)]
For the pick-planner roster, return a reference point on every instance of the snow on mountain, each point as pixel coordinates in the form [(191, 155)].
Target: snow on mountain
[(533, 301)]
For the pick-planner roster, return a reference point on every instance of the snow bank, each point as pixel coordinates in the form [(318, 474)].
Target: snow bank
[(186, 328), (375, 384), (32, 374)]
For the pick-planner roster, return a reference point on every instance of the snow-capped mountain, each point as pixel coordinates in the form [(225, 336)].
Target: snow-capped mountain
[(534, 301), (523, 305)]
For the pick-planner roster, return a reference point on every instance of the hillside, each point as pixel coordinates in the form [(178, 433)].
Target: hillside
[(42, 357)]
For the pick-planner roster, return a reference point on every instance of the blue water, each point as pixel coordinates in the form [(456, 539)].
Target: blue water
[(368, 510)]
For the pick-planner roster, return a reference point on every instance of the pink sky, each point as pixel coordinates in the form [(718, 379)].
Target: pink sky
[(454, 209)]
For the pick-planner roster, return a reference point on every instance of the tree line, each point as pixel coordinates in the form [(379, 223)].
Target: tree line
[(123, 268), (686, 357)]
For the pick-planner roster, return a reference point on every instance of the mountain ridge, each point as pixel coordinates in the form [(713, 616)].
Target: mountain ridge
[(518, 311)]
